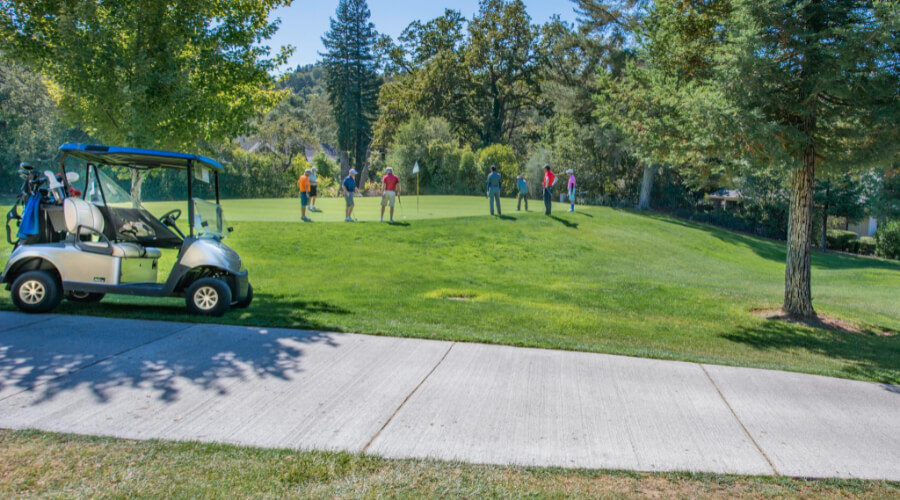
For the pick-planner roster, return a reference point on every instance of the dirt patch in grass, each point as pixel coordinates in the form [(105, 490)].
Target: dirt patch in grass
[(821, 321)]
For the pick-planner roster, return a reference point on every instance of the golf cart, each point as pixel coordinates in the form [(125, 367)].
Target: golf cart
[(82, 245)]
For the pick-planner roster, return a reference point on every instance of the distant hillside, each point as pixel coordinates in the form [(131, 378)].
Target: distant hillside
[(305, 80)]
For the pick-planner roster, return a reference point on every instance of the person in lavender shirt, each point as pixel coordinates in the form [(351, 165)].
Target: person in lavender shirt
[(571, 189)]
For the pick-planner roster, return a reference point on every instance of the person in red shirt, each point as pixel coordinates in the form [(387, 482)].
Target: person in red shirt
[(547, 184), (390, 191)]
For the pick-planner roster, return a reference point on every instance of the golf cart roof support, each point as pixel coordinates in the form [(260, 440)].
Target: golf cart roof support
[(135, 157), (218, 201), (190, 186)]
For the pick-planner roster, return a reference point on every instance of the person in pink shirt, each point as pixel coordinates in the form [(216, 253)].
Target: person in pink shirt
[(571, 189)]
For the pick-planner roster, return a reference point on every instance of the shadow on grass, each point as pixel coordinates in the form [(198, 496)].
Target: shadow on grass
[(55, 357), (507, 217), (585, 214), (568, 224), (774, 250), (868, 356)]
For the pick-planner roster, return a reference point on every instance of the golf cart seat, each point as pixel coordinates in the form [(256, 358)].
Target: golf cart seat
[(85, 219)]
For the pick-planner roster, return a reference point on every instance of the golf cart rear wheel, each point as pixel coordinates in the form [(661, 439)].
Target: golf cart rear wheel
[(84, 297), (247, 300), (36, 292), (208, 297)]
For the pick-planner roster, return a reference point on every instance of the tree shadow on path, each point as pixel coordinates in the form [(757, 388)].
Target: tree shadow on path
[(101, 354)]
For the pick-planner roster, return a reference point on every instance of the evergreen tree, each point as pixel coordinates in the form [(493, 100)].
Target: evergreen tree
[(810, 84), (352, 81)]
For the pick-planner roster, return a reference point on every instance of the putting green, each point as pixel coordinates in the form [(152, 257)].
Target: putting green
[(368, 209)]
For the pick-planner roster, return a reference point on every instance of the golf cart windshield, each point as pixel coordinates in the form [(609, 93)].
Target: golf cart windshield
[(127, 220), (208, 220)]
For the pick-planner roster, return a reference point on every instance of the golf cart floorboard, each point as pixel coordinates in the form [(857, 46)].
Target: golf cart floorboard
[(139, 289)]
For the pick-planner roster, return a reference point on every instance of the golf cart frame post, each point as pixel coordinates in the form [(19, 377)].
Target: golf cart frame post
[(124, 259)]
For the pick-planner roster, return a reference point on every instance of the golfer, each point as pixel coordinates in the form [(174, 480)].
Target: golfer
[(547, 184), (571, 189), (523, 192), (313, 190), (390, 191), (303, 185), (493, 188), (349, 188)]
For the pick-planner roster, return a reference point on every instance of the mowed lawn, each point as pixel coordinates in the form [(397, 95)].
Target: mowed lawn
[(599, 280), (45, 465)]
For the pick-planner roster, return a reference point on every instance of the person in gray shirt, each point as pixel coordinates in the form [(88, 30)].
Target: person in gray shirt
[(493, 188)]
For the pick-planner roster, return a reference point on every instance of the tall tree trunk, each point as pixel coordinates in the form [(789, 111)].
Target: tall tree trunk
[(345, 165), (825, 220), (646, 186), (137, 182), (797, 296)]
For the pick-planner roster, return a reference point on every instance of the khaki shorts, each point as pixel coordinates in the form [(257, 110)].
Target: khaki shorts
[(388, 198)]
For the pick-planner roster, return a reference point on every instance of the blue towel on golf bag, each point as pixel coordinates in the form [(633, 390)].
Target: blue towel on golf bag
[(30, 224)]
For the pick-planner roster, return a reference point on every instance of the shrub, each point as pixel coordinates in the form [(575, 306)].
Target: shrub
[(325, 168), (845, 241), (866, 245), (504, 157), (887, 240)]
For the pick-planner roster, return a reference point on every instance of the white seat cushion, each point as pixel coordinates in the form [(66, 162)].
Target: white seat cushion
[(81, 213), (127, 250)]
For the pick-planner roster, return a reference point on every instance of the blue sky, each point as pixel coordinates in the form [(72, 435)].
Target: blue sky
[(304, 22)]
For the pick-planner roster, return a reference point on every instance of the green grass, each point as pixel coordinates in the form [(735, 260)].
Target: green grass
[(598, 280), (46, 465)]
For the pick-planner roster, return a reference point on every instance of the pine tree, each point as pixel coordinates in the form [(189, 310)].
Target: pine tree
[(352, 80), (810, 84)]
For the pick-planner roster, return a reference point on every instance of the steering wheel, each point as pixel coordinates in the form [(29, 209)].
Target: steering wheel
[(169, 219)]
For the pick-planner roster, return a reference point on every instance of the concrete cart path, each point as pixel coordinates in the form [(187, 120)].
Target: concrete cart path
[(410, 398)]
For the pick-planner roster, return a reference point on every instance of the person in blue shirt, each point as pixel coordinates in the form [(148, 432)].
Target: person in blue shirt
[(493, 188), (523, 192), (349, 189)]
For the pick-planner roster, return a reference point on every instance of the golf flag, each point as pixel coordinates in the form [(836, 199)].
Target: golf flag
[(415, 172)]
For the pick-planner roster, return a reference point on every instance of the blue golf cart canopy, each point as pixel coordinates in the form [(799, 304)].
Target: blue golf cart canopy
[(134, 157)]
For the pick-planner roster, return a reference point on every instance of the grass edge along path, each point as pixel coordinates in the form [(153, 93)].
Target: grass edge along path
[(42, 464)]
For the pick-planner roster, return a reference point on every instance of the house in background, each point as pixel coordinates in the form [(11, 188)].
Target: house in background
[(724, 196), (866, 227)]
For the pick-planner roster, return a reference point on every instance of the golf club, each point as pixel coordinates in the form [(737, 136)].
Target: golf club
[(402, 213)]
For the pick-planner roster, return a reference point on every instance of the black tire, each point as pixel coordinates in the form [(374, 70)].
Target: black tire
[(36, 292), (243, 304), (84, 297), (208, 297)]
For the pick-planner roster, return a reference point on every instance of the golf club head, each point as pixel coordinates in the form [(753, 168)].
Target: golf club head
[(26, 166)]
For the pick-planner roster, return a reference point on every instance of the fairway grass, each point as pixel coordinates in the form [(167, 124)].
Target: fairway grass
[(599, 280), (38, 464)]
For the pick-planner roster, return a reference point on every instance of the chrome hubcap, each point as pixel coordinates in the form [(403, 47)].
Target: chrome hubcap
[(80, 295), (32, 292), (206, 298)]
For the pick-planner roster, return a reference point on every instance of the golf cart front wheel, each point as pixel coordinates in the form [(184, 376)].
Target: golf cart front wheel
[(84, 297), (36, 292), (243, 304), (208, 297)]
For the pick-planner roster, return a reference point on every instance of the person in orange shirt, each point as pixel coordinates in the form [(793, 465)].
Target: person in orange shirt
[(303, 185)]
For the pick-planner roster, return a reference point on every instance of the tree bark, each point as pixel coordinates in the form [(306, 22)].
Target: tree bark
[(797, 296), (137, 182), (646, 187)]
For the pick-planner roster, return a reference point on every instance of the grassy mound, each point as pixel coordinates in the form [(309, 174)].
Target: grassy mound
[(597, 280)]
